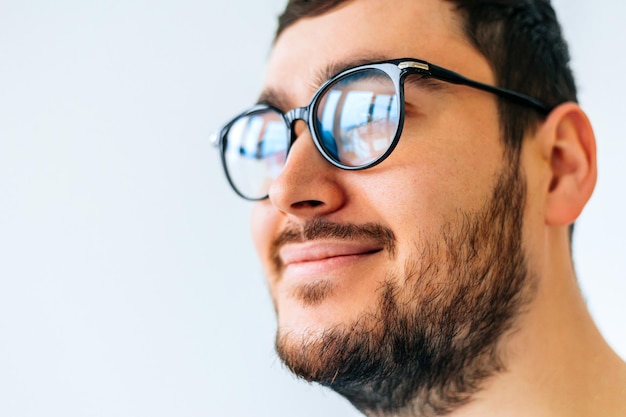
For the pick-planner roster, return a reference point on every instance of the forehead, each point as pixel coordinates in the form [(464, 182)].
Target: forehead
[(361, 30)]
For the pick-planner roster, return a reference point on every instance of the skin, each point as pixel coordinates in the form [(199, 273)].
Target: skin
[(445, 180), (448, 160)]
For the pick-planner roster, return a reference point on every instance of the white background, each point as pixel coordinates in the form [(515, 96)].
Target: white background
[(128, 284)]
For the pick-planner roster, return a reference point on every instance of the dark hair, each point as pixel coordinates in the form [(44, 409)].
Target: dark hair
[(522, 41)]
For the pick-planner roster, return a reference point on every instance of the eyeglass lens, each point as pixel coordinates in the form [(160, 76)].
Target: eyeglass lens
[(355, 122), (357, 117)]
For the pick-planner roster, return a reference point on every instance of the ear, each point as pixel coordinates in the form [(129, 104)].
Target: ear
[(570, 148)]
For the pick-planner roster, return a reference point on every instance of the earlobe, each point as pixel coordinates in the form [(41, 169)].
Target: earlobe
[(571, 154)]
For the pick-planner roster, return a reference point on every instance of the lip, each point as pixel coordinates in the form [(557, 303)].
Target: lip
[(311, 258)]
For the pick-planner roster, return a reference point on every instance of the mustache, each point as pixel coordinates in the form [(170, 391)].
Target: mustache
[(324, 229)]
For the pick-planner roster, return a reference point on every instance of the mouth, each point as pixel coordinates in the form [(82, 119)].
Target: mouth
[(319, 257)]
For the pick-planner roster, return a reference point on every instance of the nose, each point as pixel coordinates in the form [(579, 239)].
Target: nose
[(308, 185)]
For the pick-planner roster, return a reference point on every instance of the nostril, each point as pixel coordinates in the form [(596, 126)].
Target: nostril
[(307, 203)]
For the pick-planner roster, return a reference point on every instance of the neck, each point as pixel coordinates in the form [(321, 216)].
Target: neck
[(558, 363)]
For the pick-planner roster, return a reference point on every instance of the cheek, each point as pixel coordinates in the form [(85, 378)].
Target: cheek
[(263, 226), (410, 199), (455, 148), (416, 197)]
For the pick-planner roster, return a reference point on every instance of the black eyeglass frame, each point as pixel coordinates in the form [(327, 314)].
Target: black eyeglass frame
[(397, 70)]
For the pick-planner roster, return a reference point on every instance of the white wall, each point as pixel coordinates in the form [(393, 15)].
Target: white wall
[(128, 285)]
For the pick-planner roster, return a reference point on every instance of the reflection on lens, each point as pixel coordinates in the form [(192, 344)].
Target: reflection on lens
[(358, 117), (255, 149)]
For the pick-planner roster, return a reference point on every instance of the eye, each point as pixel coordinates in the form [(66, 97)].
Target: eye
[(357, 117)]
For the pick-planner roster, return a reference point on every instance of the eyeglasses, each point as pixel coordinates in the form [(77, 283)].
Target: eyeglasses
[(355, 120)]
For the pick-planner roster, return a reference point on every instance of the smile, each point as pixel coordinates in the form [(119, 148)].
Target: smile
[(322, 257)]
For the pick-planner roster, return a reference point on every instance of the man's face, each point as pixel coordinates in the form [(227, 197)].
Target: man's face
[(429, 239)]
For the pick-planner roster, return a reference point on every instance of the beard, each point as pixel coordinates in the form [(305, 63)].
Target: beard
[(430, 343)]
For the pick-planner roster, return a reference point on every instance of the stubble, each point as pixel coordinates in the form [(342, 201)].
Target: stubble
[(431, 342)]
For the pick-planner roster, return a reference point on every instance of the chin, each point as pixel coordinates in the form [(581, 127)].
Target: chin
[(311, 310)]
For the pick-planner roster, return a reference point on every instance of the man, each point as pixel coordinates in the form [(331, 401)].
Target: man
[(414, 220)]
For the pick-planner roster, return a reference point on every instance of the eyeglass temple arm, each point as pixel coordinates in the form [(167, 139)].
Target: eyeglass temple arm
[(455, 78)]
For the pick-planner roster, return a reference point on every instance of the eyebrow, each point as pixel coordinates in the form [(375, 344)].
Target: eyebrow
[(277, 98), (335, 67)]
